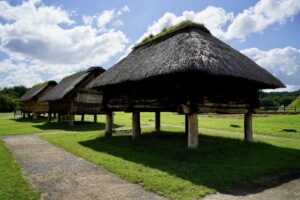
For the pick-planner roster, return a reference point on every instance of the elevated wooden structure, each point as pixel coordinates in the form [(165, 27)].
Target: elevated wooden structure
[(188, 71), (30, 100), (71, 97)]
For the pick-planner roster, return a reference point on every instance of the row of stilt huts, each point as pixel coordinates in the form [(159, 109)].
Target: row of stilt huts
[(188, 71)]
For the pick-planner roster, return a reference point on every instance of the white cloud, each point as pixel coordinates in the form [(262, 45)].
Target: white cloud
[(44, 40), (125, 9), (260, 16), (118, 23), (283, 63), (105, 17), (226, 26), (289, 88)]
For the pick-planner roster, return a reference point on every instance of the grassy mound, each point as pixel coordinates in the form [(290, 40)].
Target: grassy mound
[(294, 104)]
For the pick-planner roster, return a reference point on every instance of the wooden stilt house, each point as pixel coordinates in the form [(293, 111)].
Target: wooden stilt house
[(30, 100), (71, 97), (187, 70)]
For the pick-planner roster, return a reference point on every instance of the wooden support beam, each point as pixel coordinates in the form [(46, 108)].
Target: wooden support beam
[(82, 118), (193, 131), (71, 119), (248, 136), (157, 121), (109, 124), (59, 118), (54, 115), (35, 115), (186, 124), (49, 117), (23, 115), (136, 125), (95, 118)]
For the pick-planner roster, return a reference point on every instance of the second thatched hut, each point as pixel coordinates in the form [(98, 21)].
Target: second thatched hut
[(71, 97), (30, 100)]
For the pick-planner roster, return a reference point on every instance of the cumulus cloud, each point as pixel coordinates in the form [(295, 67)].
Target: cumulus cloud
[(105, 17), (282, 62), (37, 38), (261, 15), (228, 26), (125, 9)]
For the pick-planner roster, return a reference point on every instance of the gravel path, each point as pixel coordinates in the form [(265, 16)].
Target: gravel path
[(58, 174)]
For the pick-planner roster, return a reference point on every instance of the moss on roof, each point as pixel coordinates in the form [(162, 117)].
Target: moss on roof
[(167, 30), (74, 74), (41, 84)]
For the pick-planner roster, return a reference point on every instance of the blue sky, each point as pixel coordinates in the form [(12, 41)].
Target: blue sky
[(41, 40)]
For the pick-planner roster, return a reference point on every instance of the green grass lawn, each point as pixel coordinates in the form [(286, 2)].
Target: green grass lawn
[(161, 162), (262, 124), (12, 183)]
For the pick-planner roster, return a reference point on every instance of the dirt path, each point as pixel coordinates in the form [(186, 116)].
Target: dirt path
[(58, 174)]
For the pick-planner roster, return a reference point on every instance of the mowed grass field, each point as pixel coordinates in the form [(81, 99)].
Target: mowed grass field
[(274, 125), (161, 162)]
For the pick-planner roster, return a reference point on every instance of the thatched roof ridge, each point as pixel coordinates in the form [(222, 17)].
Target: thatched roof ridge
[(188, 49), (35, 90), (168, 32), (69, 83)]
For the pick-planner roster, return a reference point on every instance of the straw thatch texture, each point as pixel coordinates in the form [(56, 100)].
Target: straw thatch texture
[(187, 49), (70, 83), (36, 90)]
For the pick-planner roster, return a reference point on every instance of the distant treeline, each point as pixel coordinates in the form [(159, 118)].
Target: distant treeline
[(277, 99), (9, 98)]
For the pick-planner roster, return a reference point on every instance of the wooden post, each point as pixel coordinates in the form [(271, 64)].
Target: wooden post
[(71, 115), (109, 124), (192, 130), (35, 116), (157, 121), (59, 118), (136, 125), (82, 118), (95, 118), (49, 117), (186, 124), (71, 119), (54, 115), (23, 115), (248, 137)]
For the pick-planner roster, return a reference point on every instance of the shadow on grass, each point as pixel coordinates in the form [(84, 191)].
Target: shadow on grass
[(78, 125), (31, 120), (217, 163)]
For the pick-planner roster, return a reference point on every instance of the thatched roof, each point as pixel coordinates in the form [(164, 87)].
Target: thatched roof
[(188, 48), (70, 83), (35, 90)]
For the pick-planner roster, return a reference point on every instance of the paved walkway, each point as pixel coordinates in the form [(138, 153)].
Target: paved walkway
[(58, 174)]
